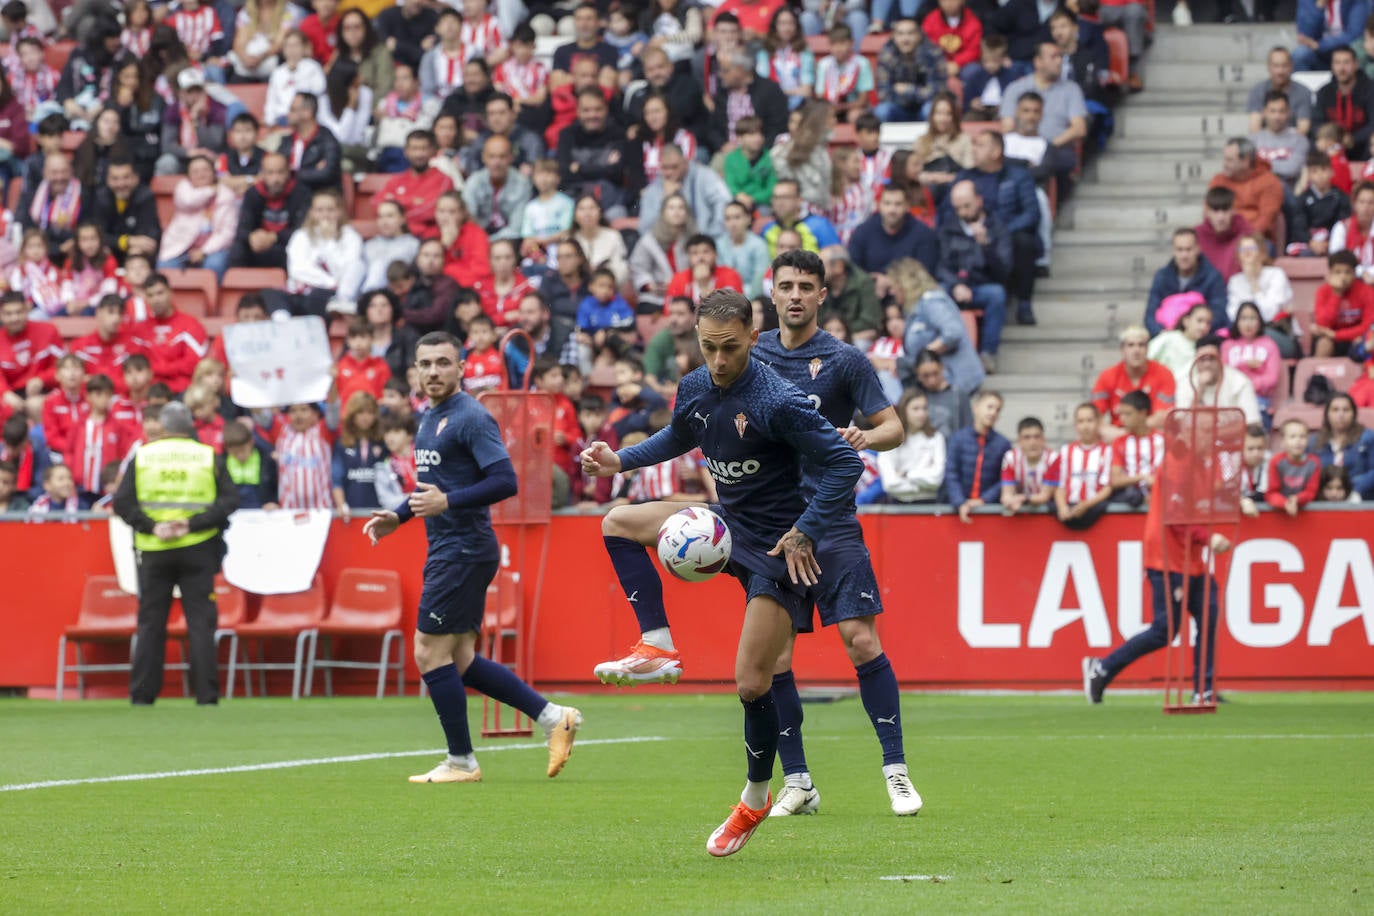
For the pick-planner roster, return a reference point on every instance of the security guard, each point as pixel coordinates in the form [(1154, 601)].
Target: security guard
[(177, 496)]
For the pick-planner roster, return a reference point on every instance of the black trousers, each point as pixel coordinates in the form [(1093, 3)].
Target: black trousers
[(1025, 248), (193, 569)]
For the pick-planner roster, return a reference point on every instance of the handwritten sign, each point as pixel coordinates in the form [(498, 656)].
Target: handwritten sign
[(279, 362)]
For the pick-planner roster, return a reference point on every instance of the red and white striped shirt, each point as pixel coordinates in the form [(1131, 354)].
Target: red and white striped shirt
[(887, 348), (480, 38), (1023, 477), (303, 466), (669, 478), (449, 71), (876, 170), (197, 30), (33, 89), (654, 148), (94, 444), (1081, 470), (520, 81), (1137, 455), (136, 41), (851, 208)]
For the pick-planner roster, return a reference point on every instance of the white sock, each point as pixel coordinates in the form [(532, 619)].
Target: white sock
[(465, 762), (801, 780), (659, 638), (755, 795), (550, 716)]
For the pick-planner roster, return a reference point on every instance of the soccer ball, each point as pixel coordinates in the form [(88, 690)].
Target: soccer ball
[(694, 544)]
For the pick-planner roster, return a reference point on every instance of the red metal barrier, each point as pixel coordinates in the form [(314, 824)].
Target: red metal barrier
[(998, 603)]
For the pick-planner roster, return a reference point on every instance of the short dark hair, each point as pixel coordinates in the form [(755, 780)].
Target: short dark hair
[(1209, 340), (867, 121), (1275, 95), (14, 297), (591, 402), (422, 134), (1138, 400), (245, 117), (9, 467), (250, 301), (99, 383), (157, 280), (543, 365), (1316, 159), (406, 424), (499, 96), (1345, 257), (159, 390), (15, 11), (359, 326), (1255, 431), (1061, 13), (438, 339), (523, 33), (1219, 199), (110, 301), (700, 238), (312, 102), (629, 361), (53, 125), (801, 260), (1034, 96), (236, 434), (841, 32), (483, 318), (749, 124), (727, 18), (119, 162), (447, 11), (603, 272), (728, 305), (1029, 423), (592, 92), (136, 361), (1088, 405), (1344, 49)]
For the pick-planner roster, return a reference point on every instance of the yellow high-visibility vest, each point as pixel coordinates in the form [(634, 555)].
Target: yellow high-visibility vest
[(174, 479)]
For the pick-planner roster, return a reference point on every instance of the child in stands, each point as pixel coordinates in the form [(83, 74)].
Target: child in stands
[(1082, 472), (1028, 480), (1293, 474)]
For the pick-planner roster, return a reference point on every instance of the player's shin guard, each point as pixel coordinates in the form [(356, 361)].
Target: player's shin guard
[(883, 702), (639, 579), (791, 754), (760, 736), (451, 703), (503, 685)]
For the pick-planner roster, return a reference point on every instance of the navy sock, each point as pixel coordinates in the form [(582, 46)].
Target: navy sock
[(638, 577), (504, 686), (878, 690), (760, 736), (451, 703), (791, 754)]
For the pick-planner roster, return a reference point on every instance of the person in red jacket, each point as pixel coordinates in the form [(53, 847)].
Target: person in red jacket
[(97, 438), (419, 188), (958, 33), (1293, 473), (176, 341), (702, 274), (28, 352), (104, 351), (484, 368), (467, 250), (321, 29), (62, 408), (358, 369), (563, 98), (1362, 389), (1172, 554), (567, 432), (1344, 308)]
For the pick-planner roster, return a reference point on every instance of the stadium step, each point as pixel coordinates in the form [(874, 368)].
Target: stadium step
[(1204, 72), (1028, 355), (1110, 258), (1230, 44), (1168, 191), (1126, 214), (1184, 122), (1128, 169)]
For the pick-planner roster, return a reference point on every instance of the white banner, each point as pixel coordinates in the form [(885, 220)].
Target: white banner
[(270, 552), (279, 362), (275, 551)]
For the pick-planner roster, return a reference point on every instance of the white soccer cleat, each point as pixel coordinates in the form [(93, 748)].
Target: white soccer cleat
[(645, 664), (447, 772), (796, 800), (905, 799)]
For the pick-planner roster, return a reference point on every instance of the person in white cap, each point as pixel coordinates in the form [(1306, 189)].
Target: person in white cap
[(195, 124)]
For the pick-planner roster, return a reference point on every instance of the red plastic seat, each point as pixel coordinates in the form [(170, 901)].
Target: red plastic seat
[(363, 206), (241, 280), (55, 55), (1119, 55), (501, 619), (367, 603), (252, 95), (1340, 371), (233, 608), (293, 616), (194, 290), (107, 615), (163, 186), (73, 326), (1309, 414)]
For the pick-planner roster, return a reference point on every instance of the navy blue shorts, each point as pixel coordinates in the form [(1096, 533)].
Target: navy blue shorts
[(765, 576), (454, 596), (848, 587)]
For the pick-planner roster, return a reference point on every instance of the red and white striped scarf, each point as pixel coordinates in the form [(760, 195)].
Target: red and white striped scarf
[(393, 106), (840, 79), (41, 284), (850, 209), (136, 42), (33, 89), (480, 38), (784, 68), (520, 81)]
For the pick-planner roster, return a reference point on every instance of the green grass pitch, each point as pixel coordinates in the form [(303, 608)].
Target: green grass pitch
[(1032, 804)]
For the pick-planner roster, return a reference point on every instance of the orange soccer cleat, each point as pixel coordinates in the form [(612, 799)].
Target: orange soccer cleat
[(645, 664), (730, 837)]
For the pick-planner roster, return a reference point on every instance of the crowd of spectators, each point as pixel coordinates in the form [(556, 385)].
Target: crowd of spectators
[(590, 202)]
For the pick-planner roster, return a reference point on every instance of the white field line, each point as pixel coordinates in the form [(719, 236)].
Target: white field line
[(1124, 736), (292, 764), (914, 877)]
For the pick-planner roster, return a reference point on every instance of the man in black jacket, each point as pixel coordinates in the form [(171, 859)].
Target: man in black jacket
[(975, 261), (683, 95), (408, 30), (742, 92), (1348, 100), (312, 151), (272, 209), (126, 212), (594, 157)]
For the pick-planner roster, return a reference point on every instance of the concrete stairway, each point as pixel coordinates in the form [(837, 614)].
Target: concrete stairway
[(1114, 234)]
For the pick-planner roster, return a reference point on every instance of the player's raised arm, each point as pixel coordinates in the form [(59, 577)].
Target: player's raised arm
[(808, 432), (677, 438)]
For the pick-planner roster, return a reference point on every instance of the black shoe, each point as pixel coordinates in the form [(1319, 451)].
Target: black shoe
[(1209, 699), (1042, 271), (207, 702), (140, 702), (1024, 315), (1094, 679)]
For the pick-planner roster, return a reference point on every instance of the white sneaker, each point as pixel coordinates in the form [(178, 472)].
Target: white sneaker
[(447, 772), (796, 800), (1182, 15), (905, 799)]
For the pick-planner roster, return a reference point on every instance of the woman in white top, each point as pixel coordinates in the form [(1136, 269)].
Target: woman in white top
[(1260, 282), (324, 261), (913, 471), (602, 245), (259, 31), (662, 251), (391, 243), (299, 72), (346, 110)]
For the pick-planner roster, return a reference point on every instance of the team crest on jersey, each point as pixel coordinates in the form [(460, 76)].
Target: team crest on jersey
[(741, 424), (814, 367), (440, 428)]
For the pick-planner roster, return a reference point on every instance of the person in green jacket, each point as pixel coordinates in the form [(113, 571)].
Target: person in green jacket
[(748, 168)]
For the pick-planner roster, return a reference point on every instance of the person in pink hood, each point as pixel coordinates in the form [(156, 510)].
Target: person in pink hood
[(203, 224)]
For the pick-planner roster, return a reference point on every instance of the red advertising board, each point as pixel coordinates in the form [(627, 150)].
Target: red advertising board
[(996, 603)]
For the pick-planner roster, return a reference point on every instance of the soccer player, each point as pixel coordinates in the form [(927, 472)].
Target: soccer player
[(463, 468), (752, 426)]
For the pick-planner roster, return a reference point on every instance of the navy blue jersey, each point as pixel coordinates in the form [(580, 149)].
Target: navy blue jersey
[(752, 434), (837, 378), (457, 441)]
